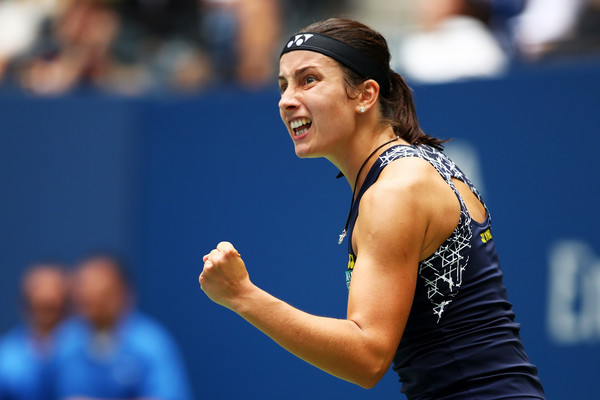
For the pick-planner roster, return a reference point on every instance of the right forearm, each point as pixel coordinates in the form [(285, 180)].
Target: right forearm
[(338, 346), (356, 349)]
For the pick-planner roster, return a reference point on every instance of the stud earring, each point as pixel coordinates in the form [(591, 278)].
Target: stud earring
[(362, 110)]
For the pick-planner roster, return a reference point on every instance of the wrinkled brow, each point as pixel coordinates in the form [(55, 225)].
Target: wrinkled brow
[(299, 71)]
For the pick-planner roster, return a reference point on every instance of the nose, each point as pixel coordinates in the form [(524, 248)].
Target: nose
[(288, 101)]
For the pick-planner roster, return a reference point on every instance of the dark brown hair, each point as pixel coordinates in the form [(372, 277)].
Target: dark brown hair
[(397, 105)]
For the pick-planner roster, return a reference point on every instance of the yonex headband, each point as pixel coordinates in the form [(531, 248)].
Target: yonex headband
[(341, 52)]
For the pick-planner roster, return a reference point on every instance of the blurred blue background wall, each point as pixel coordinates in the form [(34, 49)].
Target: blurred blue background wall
[(164, 180)]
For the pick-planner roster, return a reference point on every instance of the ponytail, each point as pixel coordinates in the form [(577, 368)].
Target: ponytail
[(398, 108)]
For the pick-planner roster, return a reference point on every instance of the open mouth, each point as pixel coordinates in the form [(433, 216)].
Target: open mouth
[(300, 126)]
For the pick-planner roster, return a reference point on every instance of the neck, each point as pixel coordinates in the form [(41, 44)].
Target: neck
[(376, 147), (42, 328), (362, 152), (42, 331)]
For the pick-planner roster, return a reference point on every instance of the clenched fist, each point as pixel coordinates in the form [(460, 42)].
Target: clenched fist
[(224, 277)]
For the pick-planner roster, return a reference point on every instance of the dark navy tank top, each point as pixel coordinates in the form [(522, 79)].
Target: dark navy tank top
[(461, 340)]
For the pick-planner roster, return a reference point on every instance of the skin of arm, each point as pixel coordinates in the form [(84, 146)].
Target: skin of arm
[(389, 236)]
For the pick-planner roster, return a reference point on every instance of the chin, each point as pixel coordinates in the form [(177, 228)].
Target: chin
[(303, 152)]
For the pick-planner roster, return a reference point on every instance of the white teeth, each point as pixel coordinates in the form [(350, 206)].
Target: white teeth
[(299, 122)]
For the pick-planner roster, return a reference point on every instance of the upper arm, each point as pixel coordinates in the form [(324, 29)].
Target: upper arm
[(388, 238)]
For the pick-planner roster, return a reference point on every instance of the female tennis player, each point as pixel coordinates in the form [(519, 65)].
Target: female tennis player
[(425, 286)]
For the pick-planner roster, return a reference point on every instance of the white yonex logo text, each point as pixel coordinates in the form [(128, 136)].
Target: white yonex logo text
[(298, 40)]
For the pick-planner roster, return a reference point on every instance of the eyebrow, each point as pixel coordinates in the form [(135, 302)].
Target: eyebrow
[(299, 71)]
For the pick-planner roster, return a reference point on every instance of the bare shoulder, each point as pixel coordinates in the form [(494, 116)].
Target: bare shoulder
[(410, 203), (409, 178), (393, 206)]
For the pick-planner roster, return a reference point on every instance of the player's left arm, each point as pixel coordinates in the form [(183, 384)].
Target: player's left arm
[(389, 236), (388, 239)]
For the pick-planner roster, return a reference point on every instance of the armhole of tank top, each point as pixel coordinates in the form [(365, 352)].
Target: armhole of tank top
[(473, 189), (464, 211)]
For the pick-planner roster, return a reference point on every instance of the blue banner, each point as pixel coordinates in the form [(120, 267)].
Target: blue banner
[(164, 180)]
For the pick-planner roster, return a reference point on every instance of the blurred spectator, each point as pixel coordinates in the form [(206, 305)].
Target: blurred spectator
[(243, 38), (296, 14), (503, 16), (544, 23), (455, 42), (136, 47), (587, 30), (20, 24), (118, 46), (141, 46), (112, 351), (77, 49), (26, 352), (555, 28), (160, 43)]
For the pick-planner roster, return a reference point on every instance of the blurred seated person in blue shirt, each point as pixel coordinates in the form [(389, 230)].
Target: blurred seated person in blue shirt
[(111, 351), (26, 352)]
